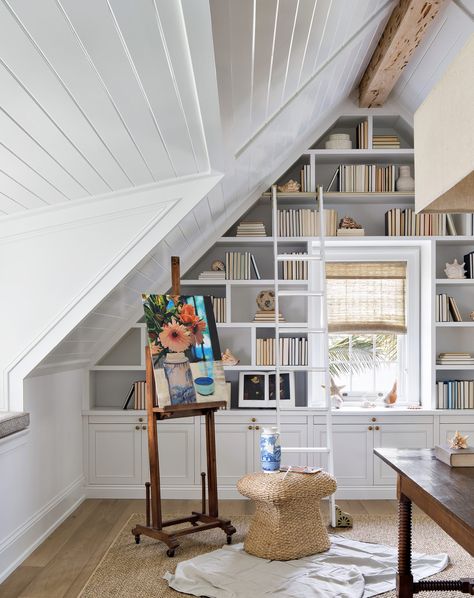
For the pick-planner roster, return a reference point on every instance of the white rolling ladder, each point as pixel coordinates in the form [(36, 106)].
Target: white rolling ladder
[(321, 329)]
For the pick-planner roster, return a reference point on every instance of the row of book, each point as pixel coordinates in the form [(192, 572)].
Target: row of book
[(304, 222), (447, 309), (212, 275), (307, 180), (455, 359), (406, 223), (455, 394), (137, 392), (362, 135), (386, 142), (291, 270), (469, 264), (239, 266), (219, 306), (364, 178), (250, 228), (293, 351)]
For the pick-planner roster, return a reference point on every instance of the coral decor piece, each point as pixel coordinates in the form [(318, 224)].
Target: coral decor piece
[(290, 187), (471, 315), (266, 300), (455, 270), (348, 222), (184, 345), (228, 358), (218, 266), (335, 394), (458, 441), (391, 397)]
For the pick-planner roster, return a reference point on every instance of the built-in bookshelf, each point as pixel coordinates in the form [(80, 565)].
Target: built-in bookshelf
[(234, 296)]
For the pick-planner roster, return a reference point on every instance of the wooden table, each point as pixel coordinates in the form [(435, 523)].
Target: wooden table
[(442, 492)]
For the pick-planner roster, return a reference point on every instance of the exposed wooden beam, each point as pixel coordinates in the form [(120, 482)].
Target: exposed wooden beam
[(404, 31)]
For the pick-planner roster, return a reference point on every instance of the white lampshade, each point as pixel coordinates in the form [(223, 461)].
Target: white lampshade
[(444, 140)]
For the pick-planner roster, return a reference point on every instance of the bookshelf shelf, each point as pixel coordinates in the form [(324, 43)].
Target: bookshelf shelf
[(335, 198), (117, 368), (325, 156), (283, 325), (455, 281), (454, 324), (454, 368)]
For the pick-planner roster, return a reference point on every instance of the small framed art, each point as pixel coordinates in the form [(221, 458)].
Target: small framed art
[(257, 389)]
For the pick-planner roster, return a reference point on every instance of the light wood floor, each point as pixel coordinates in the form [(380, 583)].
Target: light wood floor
[(62, 564)]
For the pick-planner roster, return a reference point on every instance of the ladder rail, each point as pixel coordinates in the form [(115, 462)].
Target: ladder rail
[(275, 230)]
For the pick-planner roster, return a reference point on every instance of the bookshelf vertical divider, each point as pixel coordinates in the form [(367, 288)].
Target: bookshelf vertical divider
[(154, 519)]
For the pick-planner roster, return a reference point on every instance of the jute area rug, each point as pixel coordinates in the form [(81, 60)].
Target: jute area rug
[(128, 570)]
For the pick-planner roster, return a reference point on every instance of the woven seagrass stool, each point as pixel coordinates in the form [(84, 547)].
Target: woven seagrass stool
[(287, 523)]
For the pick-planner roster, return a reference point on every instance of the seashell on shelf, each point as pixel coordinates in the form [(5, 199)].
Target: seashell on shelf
[(290, 187), (454, 270)]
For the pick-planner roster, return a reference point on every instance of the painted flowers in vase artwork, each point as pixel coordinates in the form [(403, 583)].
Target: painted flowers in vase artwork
[(183, 341)]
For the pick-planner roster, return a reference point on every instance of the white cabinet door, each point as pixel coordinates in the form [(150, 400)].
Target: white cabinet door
[(235, 452), (398, 436), (176, 452), (115, 454), (353, 445)]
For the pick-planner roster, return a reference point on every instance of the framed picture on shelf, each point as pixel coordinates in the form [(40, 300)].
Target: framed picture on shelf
[(257, 389)]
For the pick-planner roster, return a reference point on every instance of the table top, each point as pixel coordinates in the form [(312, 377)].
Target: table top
[(451, 487)]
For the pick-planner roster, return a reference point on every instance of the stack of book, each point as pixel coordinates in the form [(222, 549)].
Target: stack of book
[(362, 135), (294, 270), (251, 229), (386, 142), (219, 305), (405, 223), (455, 359), (305, 223), (469, 264), (138, 392), (293, 351), (350, 232), (455, 394), (365, 178), (447, 309), (267, 316), (455, 457), (238, 266), (307, 180), (212, 275)]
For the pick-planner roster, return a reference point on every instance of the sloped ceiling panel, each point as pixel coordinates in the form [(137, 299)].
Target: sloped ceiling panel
[(435, 54), (97, 96)]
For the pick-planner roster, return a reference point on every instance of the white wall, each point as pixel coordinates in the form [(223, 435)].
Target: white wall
[(41, 473)]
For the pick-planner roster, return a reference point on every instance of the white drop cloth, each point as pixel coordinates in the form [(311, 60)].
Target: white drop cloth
[(349, 569)]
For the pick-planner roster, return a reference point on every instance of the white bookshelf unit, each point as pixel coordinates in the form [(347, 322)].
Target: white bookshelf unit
[(116, 454)]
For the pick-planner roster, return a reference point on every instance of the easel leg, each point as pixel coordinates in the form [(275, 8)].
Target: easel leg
[(211, 464)]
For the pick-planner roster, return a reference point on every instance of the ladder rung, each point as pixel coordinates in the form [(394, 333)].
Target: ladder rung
[(297, 293), (305, 449), (301, 368), (304, 330), (290, 257)]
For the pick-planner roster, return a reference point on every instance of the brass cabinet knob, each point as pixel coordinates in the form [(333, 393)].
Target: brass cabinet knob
[(257, 427), (250, 427), (143, 427), (254, 419), (137, 427), (377, 427), (371, 428), (373, 419), (140, 419)]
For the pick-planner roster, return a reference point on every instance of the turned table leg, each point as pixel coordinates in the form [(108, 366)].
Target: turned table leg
[(404, 575)]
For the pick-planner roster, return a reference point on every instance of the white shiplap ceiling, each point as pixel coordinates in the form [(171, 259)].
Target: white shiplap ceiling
[(283, 67), (97, 96)]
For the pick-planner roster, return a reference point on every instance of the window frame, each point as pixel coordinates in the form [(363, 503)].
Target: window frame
[(411, 394)]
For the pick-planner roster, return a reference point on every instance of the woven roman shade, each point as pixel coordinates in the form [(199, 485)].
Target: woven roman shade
[(366, 297)]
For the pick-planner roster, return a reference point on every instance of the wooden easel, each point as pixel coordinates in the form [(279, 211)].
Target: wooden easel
[(199, 521)]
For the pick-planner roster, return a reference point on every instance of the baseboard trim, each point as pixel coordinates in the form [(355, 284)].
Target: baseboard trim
[(230, 492), (20, 543)]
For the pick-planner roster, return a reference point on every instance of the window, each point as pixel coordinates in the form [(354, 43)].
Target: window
[(373, 318)]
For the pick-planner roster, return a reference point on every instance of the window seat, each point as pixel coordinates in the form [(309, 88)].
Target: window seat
[(11, 422)]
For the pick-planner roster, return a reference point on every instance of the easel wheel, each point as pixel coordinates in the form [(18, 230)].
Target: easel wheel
[(137, 539), (170, 552), (229, 539)]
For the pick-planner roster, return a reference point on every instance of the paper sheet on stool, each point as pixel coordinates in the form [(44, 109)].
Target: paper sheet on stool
[(349, 569)]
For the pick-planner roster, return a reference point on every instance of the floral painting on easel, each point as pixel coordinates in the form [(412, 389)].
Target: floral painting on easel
[(185, 349)]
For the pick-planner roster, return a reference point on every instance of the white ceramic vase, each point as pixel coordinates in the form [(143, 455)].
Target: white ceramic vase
[(405, 181)]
